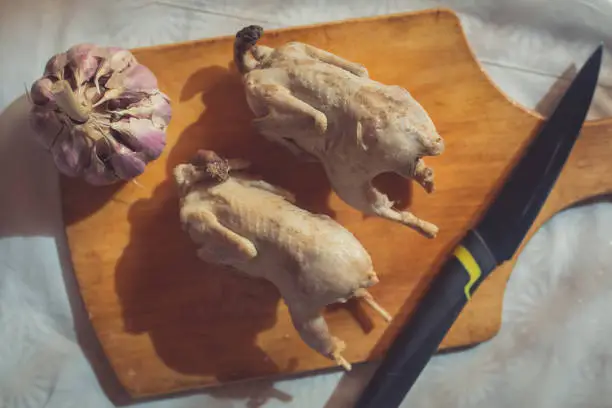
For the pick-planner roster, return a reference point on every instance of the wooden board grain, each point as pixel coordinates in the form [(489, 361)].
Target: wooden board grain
[(168, 322)]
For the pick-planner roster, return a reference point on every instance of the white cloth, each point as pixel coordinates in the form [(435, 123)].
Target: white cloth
[(552, 349)]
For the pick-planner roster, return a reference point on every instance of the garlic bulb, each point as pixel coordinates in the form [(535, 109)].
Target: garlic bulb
[(100, 113)]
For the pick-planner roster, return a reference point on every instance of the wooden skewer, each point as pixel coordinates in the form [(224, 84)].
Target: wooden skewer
[(342, 361), (369, 299)]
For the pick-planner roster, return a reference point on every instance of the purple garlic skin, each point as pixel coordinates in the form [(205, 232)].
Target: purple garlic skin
[(100, 113)]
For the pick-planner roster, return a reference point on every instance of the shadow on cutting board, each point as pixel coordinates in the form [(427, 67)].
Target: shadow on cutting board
[(225, 127), (188, 307), (202, 319)]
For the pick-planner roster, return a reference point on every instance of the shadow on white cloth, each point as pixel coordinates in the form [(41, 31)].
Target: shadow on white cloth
[(29, 215)]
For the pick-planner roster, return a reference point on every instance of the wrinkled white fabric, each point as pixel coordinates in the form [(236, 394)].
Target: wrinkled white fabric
[(552, 349)]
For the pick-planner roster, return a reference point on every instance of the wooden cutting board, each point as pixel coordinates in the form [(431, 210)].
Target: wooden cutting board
[(168, 322)]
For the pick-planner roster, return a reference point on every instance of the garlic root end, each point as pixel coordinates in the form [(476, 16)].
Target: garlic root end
[(65, 99)]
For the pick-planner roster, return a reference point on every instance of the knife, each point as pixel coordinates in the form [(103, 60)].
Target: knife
[(493, 241)]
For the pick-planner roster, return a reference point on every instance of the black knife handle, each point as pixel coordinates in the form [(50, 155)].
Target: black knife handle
[(434, 315)]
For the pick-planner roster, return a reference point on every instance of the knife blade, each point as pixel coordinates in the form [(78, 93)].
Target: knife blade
[(494, 240)]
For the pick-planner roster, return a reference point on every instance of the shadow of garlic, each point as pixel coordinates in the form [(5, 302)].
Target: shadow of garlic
[(100, 113)]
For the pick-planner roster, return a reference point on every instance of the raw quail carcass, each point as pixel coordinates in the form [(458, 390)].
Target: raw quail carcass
[(255, 227), (323, 107)]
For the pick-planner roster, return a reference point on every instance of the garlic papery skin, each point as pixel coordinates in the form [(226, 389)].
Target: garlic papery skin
[(100, 113)]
